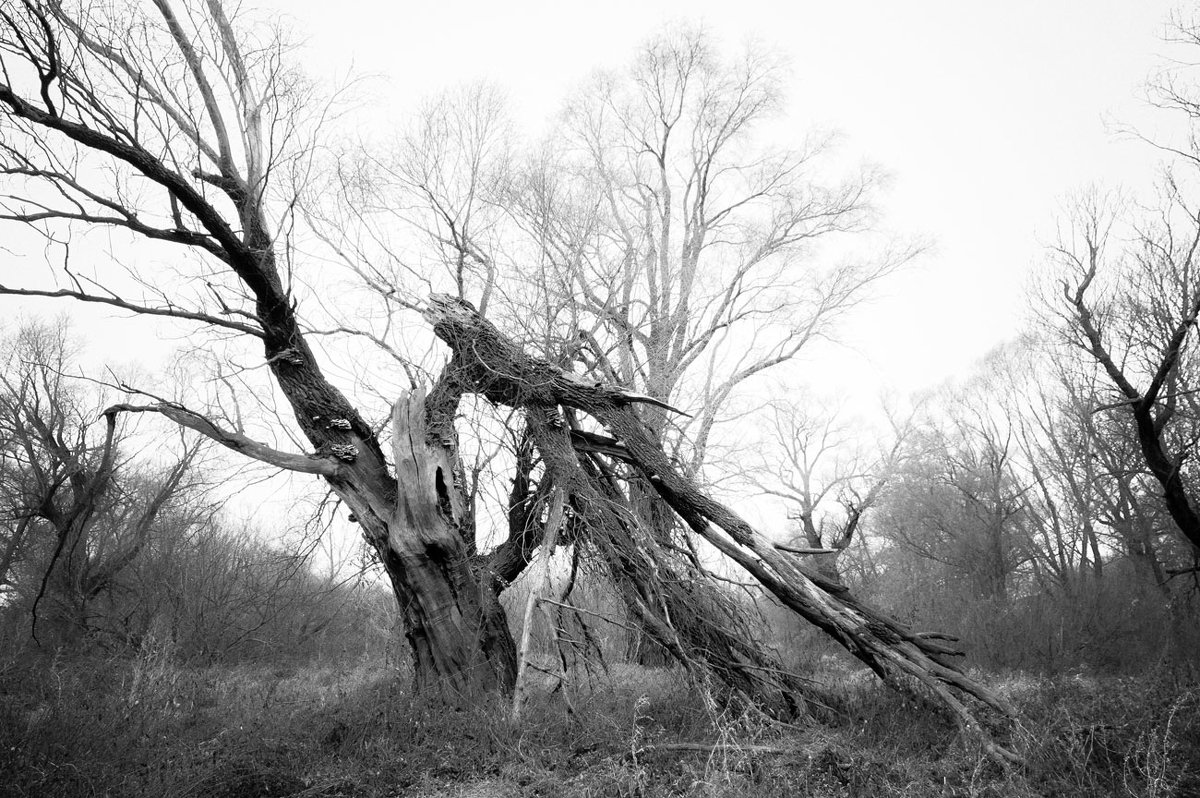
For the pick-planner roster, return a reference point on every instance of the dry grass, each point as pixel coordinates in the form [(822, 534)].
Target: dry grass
[(148, 727)]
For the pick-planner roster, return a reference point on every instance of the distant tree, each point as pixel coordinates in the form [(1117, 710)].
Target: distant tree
[(812, 462), (688, 258), (1132, 309), (1054, 434), (76, 509), (960, 499)]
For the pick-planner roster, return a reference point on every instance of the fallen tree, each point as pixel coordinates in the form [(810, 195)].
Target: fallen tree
[(179, 150), (486, 362)]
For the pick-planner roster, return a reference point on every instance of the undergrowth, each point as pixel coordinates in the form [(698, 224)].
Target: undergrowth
[(150, 727)]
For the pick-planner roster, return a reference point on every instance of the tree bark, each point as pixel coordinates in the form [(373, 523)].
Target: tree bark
[(539, 582), (488, 363), (458, 638)]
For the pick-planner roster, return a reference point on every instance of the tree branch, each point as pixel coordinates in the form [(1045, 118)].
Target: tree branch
[(178, 313), (323, 465)]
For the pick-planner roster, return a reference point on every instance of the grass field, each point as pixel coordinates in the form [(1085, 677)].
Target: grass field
[(148, 727)]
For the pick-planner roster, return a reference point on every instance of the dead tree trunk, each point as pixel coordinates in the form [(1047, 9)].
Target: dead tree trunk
[(486, 362), (217, 198), (458, 638), (540, 582)]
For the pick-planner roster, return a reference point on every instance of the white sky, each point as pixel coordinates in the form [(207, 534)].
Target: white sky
[(985, 115)]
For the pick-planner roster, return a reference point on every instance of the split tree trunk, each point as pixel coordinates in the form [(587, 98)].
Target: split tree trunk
[(486, 362), (458, 639)]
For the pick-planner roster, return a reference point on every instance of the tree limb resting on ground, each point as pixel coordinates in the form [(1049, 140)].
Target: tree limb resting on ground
[(486, 362)]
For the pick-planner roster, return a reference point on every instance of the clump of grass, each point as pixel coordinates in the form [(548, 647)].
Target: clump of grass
[(1088, 735)]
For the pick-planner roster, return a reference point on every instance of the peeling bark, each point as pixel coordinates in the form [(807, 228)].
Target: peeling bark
[(540, 582)]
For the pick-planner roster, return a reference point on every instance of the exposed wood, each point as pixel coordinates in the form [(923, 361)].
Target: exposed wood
[(538, 583), (803, 550), (444, 612), (488, 363)]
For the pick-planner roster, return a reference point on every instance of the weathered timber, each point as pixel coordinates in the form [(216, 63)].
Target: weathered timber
[(458, 639), (485, 361)]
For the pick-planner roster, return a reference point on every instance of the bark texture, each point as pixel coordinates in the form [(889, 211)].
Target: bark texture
[(454, 640), (488, 363)]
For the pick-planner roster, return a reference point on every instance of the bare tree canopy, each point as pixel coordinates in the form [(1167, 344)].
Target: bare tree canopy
[(181, 126), (1142, 335)]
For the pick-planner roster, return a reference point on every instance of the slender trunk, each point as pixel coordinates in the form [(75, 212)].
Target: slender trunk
[(1091, 543), (538, 583)]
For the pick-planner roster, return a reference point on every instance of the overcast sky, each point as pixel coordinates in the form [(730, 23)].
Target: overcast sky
[(984, 114)]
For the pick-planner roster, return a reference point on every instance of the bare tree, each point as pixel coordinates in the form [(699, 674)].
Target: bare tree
[(682, 257), (813, 461), (1132, 309), (79, 510), (1129, 295), (193, 127), (181, 127)]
